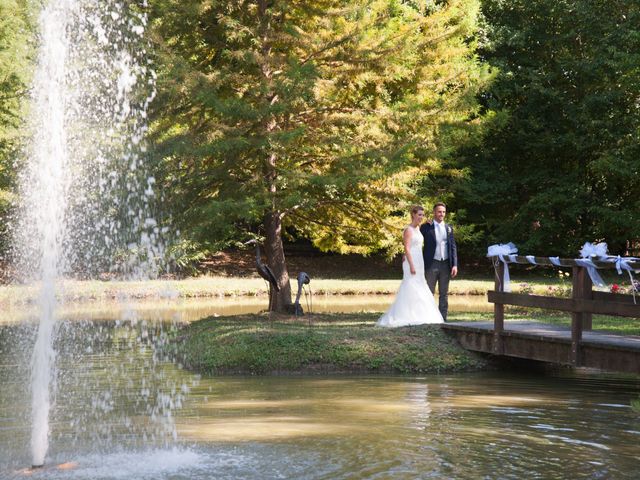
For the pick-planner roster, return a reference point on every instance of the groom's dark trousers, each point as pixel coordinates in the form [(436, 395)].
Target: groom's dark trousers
[(439, 271)]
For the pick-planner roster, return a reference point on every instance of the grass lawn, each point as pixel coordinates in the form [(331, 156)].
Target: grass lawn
[(318, 343)]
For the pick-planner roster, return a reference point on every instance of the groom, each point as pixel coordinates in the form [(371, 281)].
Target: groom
[(440, 255)]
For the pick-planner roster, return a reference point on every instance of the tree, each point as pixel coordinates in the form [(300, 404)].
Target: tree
[(559, 161), (16, 38), (313, 117)]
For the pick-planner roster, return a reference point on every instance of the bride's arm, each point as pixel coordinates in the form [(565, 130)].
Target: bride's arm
[(406, 240)]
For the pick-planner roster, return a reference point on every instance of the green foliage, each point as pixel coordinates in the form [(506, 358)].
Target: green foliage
[(324, 112), (16, 42), (329, 343), (186, 254), (559, 161)]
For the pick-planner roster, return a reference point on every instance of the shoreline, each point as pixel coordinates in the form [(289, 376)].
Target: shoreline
[(318, 344), (222, 286)]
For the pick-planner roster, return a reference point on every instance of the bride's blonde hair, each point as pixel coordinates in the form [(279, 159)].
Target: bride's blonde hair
[(415, 209)]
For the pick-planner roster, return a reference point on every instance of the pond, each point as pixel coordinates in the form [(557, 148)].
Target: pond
[(124, 412), (189, 310)]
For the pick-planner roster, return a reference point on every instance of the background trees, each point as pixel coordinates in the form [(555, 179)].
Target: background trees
[(559, 161), (16, 49), (323, 119), (312, 116)]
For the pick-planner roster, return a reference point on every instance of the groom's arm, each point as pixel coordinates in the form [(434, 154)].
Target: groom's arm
[(423, 230), (454, 255)]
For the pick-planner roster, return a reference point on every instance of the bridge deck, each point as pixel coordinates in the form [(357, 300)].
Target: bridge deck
[(550, 343)]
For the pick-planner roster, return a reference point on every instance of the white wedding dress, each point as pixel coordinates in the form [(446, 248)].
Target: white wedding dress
[(414, 303)]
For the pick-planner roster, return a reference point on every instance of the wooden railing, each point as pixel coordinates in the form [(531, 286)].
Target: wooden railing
[(584, 302)]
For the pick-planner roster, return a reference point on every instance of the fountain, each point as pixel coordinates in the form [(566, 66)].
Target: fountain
[(87, 199)]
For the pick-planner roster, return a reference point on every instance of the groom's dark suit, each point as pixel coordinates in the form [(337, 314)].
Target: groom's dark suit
[(439, 271), (429, 248)]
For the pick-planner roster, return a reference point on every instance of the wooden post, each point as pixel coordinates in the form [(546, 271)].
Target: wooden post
[(586, 290), (498, 310), (581, 289)]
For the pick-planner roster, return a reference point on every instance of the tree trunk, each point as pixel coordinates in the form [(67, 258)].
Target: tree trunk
[(280, 301)]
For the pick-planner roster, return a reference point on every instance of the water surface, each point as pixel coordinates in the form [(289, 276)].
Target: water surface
[(189, 310), (122, 412)]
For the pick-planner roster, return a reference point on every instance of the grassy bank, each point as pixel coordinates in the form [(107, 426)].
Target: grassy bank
[(327, 343)]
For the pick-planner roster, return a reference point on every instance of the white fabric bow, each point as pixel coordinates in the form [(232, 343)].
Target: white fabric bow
[(589, 250), (501, 250)]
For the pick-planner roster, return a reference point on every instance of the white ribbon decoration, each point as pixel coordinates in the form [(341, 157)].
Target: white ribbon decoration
[(588, 250), (506, 253), (501, 251), (555, 261), (596, 279), (622, 264)]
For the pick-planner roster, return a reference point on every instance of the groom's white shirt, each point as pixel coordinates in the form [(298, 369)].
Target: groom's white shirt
[(440, 231)]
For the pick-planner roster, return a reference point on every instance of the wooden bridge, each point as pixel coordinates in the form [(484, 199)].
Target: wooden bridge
[(578, 345)]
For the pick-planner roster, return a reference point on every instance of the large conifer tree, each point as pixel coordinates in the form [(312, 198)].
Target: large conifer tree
[(313, 115)]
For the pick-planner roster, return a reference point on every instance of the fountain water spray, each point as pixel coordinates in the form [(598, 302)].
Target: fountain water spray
[(87, 200)]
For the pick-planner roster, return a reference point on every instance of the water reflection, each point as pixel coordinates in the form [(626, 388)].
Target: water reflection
[(189, 310), (463, 426), (486, 425)]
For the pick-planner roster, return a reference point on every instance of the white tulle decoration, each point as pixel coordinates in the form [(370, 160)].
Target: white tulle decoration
[(623, 264), (501, 250), (587, 252), (597, 250)]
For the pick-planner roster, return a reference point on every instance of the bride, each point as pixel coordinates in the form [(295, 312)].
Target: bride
[(414, 303)]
